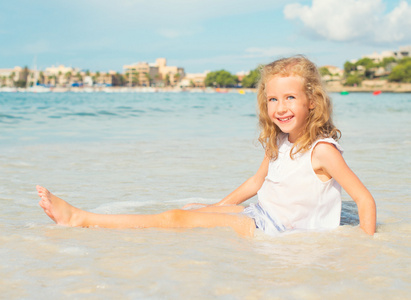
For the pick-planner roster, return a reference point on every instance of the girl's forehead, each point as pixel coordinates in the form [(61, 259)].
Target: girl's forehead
[(279, 82), (288, 76)]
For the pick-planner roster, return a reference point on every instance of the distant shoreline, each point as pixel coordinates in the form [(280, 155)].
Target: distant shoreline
[(40, 89), (368, 86)]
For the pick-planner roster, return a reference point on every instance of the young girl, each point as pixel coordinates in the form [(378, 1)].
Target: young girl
[(299, 180)]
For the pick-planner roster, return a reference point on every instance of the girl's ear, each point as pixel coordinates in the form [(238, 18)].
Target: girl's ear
[(311, 104)]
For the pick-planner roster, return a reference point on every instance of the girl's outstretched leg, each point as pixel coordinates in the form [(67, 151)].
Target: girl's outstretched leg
[(65, 214)]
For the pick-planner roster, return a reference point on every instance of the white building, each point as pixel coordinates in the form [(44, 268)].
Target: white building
[(154, 73), (9, 76), (404, 51), (194, 80)]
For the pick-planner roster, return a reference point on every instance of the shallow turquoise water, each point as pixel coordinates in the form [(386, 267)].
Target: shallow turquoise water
[(148, 152)]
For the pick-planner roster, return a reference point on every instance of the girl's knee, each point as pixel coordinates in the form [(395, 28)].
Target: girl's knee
[(173, 217)]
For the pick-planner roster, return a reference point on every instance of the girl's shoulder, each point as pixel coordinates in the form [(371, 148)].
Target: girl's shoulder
[(326, 141)]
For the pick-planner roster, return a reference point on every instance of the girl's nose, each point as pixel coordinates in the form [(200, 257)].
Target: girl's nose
[(281, 106)]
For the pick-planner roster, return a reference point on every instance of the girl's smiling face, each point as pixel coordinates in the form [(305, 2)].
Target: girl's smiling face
[(287, 104)]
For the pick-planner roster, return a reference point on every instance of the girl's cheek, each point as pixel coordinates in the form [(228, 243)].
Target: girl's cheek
[(271, 105)]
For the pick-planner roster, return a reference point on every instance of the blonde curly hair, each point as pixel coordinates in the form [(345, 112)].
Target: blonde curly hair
[(319, 122)]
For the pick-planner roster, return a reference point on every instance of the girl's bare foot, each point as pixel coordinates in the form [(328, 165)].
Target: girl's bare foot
[(57, 209)]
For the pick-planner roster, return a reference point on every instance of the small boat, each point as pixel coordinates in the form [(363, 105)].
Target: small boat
[(344, 93), (376, 93)]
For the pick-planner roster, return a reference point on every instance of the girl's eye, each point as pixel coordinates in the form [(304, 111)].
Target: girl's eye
[(290, 97), (272, 99)]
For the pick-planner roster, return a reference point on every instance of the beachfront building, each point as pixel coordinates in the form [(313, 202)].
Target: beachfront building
[(332, 76), (171, 75), (195, 80), (63, 76), (384, 62), (59, 76), (103, 79), (141, 74), (34, 77), (8, 77), (153, 74), (404, 51), (334, 73)]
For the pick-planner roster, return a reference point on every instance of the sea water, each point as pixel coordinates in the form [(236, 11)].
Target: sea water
[(150, 152)]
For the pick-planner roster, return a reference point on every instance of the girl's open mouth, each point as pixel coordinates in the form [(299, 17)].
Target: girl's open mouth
[(285, 119)]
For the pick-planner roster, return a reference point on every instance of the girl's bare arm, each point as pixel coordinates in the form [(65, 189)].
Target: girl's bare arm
[(249, 188), (331, 161)]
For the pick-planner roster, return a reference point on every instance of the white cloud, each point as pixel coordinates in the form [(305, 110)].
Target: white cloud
[(396, 26), (348, 20)]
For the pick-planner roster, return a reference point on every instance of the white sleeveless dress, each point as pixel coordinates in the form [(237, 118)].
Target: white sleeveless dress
[(293, 197)]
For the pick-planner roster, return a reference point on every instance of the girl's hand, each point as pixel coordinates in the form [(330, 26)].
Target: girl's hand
[(197, 204)]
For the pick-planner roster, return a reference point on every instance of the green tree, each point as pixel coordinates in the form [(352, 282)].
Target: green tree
[(251, 80), (177, 77), (167, 80), (79, 77), (132, 78), (386, 61), (369, 66), (353, 79), (402, 71), (68, 77), (119, 79), (50, 79), (149, 78), (135, 78), (221, 78), (348, 67), (20, 83), (96, 77), (42, 77), (26, 75), (368, 63), (324, 71), (11, 77)]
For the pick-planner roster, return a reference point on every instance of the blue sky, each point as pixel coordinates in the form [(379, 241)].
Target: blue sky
[(236, 35)]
